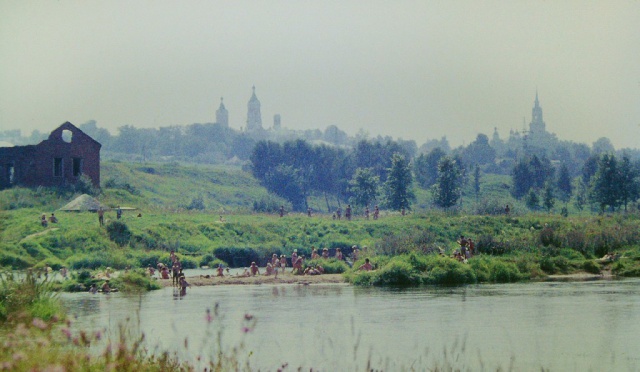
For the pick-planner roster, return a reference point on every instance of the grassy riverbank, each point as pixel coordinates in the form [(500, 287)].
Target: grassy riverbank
[(405, 250), (208, 220)]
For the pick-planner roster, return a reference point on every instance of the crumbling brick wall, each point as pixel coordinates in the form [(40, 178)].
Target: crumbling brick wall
[(57, 161)]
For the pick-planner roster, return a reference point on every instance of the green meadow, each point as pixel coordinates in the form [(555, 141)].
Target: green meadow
[(206, 215)]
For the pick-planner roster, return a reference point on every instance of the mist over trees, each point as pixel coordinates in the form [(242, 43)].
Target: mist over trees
[(341, 169)]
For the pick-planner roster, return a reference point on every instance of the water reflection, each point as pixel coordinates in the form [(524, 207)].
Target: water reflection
[(562, 326)]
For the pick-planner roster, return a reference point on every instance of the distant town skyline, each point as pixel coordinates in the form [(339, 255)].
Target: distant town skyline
[(406, 69)]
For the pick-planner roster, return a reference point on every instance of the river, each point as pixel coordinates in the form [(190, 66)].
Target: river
[(561, 326)]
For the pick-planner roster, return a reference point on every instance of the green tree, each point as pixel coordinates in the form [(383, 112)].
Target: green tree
[(397, 188), (476, 181), (605, 187), (533, 201), (285, 181), (629, 187), (364, 187), (521, 178), (426, 167), (479, 151), (564, 185), (447, 190), (549, 199)]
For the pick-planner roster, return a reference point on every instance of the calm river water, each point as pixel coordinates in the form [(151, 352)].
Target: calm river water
[(561, 326)]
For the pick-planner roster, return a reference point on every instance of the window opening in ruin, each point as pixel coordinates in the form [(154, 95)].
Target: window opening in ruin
[(11, 173), (57, 167), (77, 167), (67, 135)]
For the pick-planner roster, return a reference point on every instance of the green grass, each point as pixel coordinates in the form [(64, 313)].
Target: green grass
[(161, 193)]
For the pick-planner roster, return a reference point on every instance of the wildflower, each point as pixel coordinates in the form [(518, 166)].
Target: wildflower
[(18, 356), (55, 368), (98, 335), (6, 366), (67, 332), (248, 316), (42, 342), (39, 323), (246, 329), (209, 318)]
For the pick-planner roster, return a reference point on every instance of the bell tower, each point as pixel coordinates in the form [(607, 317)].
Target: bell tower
[(254, 117)]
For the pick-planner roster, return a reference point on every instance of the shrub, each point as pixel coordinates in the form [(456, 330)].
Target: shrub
[(547, 237), (575, 239), (591, 266), (135, 281), (14, 261), (119, 232), (361, 278), (547, 265), (505, 272), (451, 272), (561, 263), (481, 269), (397, 272), (84, 185), (237, 257)]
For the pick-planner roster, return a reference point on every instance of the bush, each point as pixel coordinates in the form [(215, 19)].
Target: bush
[(505, 272), (451, 272), (14, 261), (119, 232), (591, 266), (237, 257), (398, 273), (135, 281), (84, 185), (547, 237)]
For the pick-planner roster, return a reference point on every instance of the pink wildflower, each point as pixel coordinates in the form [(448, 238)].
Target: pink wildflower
[(67, 332), (39, 323)]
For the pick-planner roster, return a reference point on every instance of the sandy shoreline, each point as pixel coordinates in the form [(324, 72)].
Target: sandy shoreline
[(288, 278)]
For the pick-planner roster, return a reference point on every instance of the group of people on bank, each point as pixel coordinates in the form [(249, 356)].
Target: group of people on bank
[(467, 249)]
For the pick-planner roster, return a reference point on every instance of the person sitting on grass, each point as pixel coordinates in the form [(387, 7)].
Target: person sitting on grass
[(254, 269), (43, 221), (220, 270), (53, 218), (269, 269), (339, 255), (311, 271), (366, 266), (165, 273), (105, 287), (325, 253)]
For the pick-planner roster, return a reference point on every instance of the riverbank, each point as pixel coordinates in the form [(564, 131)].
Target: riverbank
[(287, 278), (199, 281)]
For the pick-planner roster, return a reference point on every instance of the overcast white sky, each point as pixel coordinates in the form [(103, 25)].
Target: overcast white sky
[(412, 69)]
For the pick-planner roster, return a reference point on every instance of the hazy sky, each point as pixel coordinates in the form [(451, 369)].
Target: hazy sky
[(412, 69)]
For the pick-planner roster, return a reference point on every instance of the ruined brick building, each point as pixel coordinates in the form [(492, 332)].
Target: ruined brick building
[(59, 160)]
